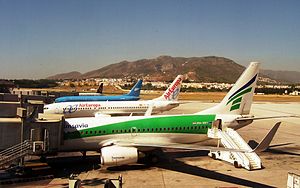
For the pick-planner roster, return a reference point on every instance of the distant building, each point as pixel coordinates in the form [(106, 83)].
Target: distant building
[(21, 92), (6, 86), (295, 93)]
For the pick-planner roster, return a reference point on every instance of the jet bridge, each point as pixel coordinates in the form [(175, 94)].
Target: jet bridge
[(231, 139), (29, 134)]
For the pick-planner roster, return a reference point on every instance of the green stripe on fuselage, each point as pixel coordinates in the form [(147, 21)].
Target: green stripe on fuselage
[(191, 124)]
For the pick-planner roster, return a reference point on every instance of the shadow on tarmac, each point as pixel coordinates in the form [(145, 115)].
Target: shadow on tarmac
[(279, 151), (175, 165), (282, 150), (65, 166), (169, 161)]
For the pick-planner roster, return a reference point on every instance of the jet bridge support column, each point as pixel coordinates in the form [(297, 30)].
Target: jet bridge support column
[(21, 112)]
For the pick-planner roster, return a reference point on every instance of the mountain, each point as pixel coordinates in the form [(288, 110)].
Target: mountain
[(206, 69), (166, 68), (63, 76), (283, 76)]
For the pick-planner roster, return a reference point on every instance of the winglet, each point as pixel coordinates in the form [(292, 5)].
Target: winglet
[(264, 144), (149, 110)]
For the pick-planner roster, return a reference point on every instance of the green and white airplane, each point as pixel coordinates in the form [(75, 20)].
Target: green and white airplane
[(121, 140)]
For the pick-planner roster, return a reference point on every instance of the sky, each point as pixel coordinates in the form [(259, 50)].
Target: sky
[(40, 38)]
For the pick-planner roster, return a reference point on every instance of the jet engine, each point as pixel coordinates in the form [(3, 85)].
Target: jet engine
[(117, 155)]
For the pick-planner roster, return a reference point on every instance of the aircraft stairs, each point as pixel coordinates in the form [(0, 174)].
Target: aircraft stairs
[(232, 140), (14, 153)]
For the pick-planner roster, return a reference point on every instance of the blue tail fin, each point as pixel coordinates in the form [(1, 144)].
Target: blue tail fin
[(135, 91)]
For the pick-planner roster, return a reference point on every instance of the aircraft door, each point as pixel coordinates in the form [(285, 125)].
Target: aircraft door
[(134, 131), (217, 124), (57, 111)]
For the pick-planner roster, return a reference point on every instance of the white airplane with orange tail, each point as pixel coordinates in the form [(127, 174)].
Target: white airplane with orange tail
[(163, 103)]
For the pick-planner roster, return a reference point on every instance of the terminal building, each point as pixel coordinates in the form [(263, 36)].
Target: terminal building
[(25, 130)]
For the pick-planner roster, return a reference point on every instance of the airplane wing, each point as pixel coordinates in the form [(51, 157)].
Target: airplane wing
[(262, 146), (100, 114), (266, 117), (179, 146)]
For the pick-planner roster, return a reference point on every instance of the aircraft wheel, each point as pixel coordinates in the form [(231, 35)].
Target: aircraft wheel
[(43, 159), (83, 154), (152, 158), (236, 164), (213, 155)]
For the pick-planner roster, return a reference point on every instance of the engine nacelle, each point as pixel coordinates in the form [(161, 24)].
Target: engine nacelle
[(99, 114), (117, 155)]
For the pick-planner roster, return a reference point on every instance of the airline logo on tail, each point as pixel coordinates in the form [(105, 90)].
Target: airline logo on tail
[(174, 90), (236, 97)]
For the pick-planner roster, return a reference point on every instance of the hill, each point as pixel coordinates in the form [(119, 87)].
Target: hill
[(206, 69), (283, 76), (63, 76), (166, 68)]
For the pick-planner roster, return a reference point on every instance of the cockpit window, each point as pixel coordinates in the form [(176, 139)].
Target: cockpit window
[(46, 108)]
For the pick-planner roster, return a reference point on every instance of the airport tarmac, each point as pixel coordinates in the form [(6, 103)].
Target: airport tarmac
[(195, 168)]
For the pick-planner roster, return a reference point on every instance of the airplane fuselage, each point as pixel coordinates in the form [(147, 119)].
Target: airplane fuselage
[(91, 133), (89, 109)]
